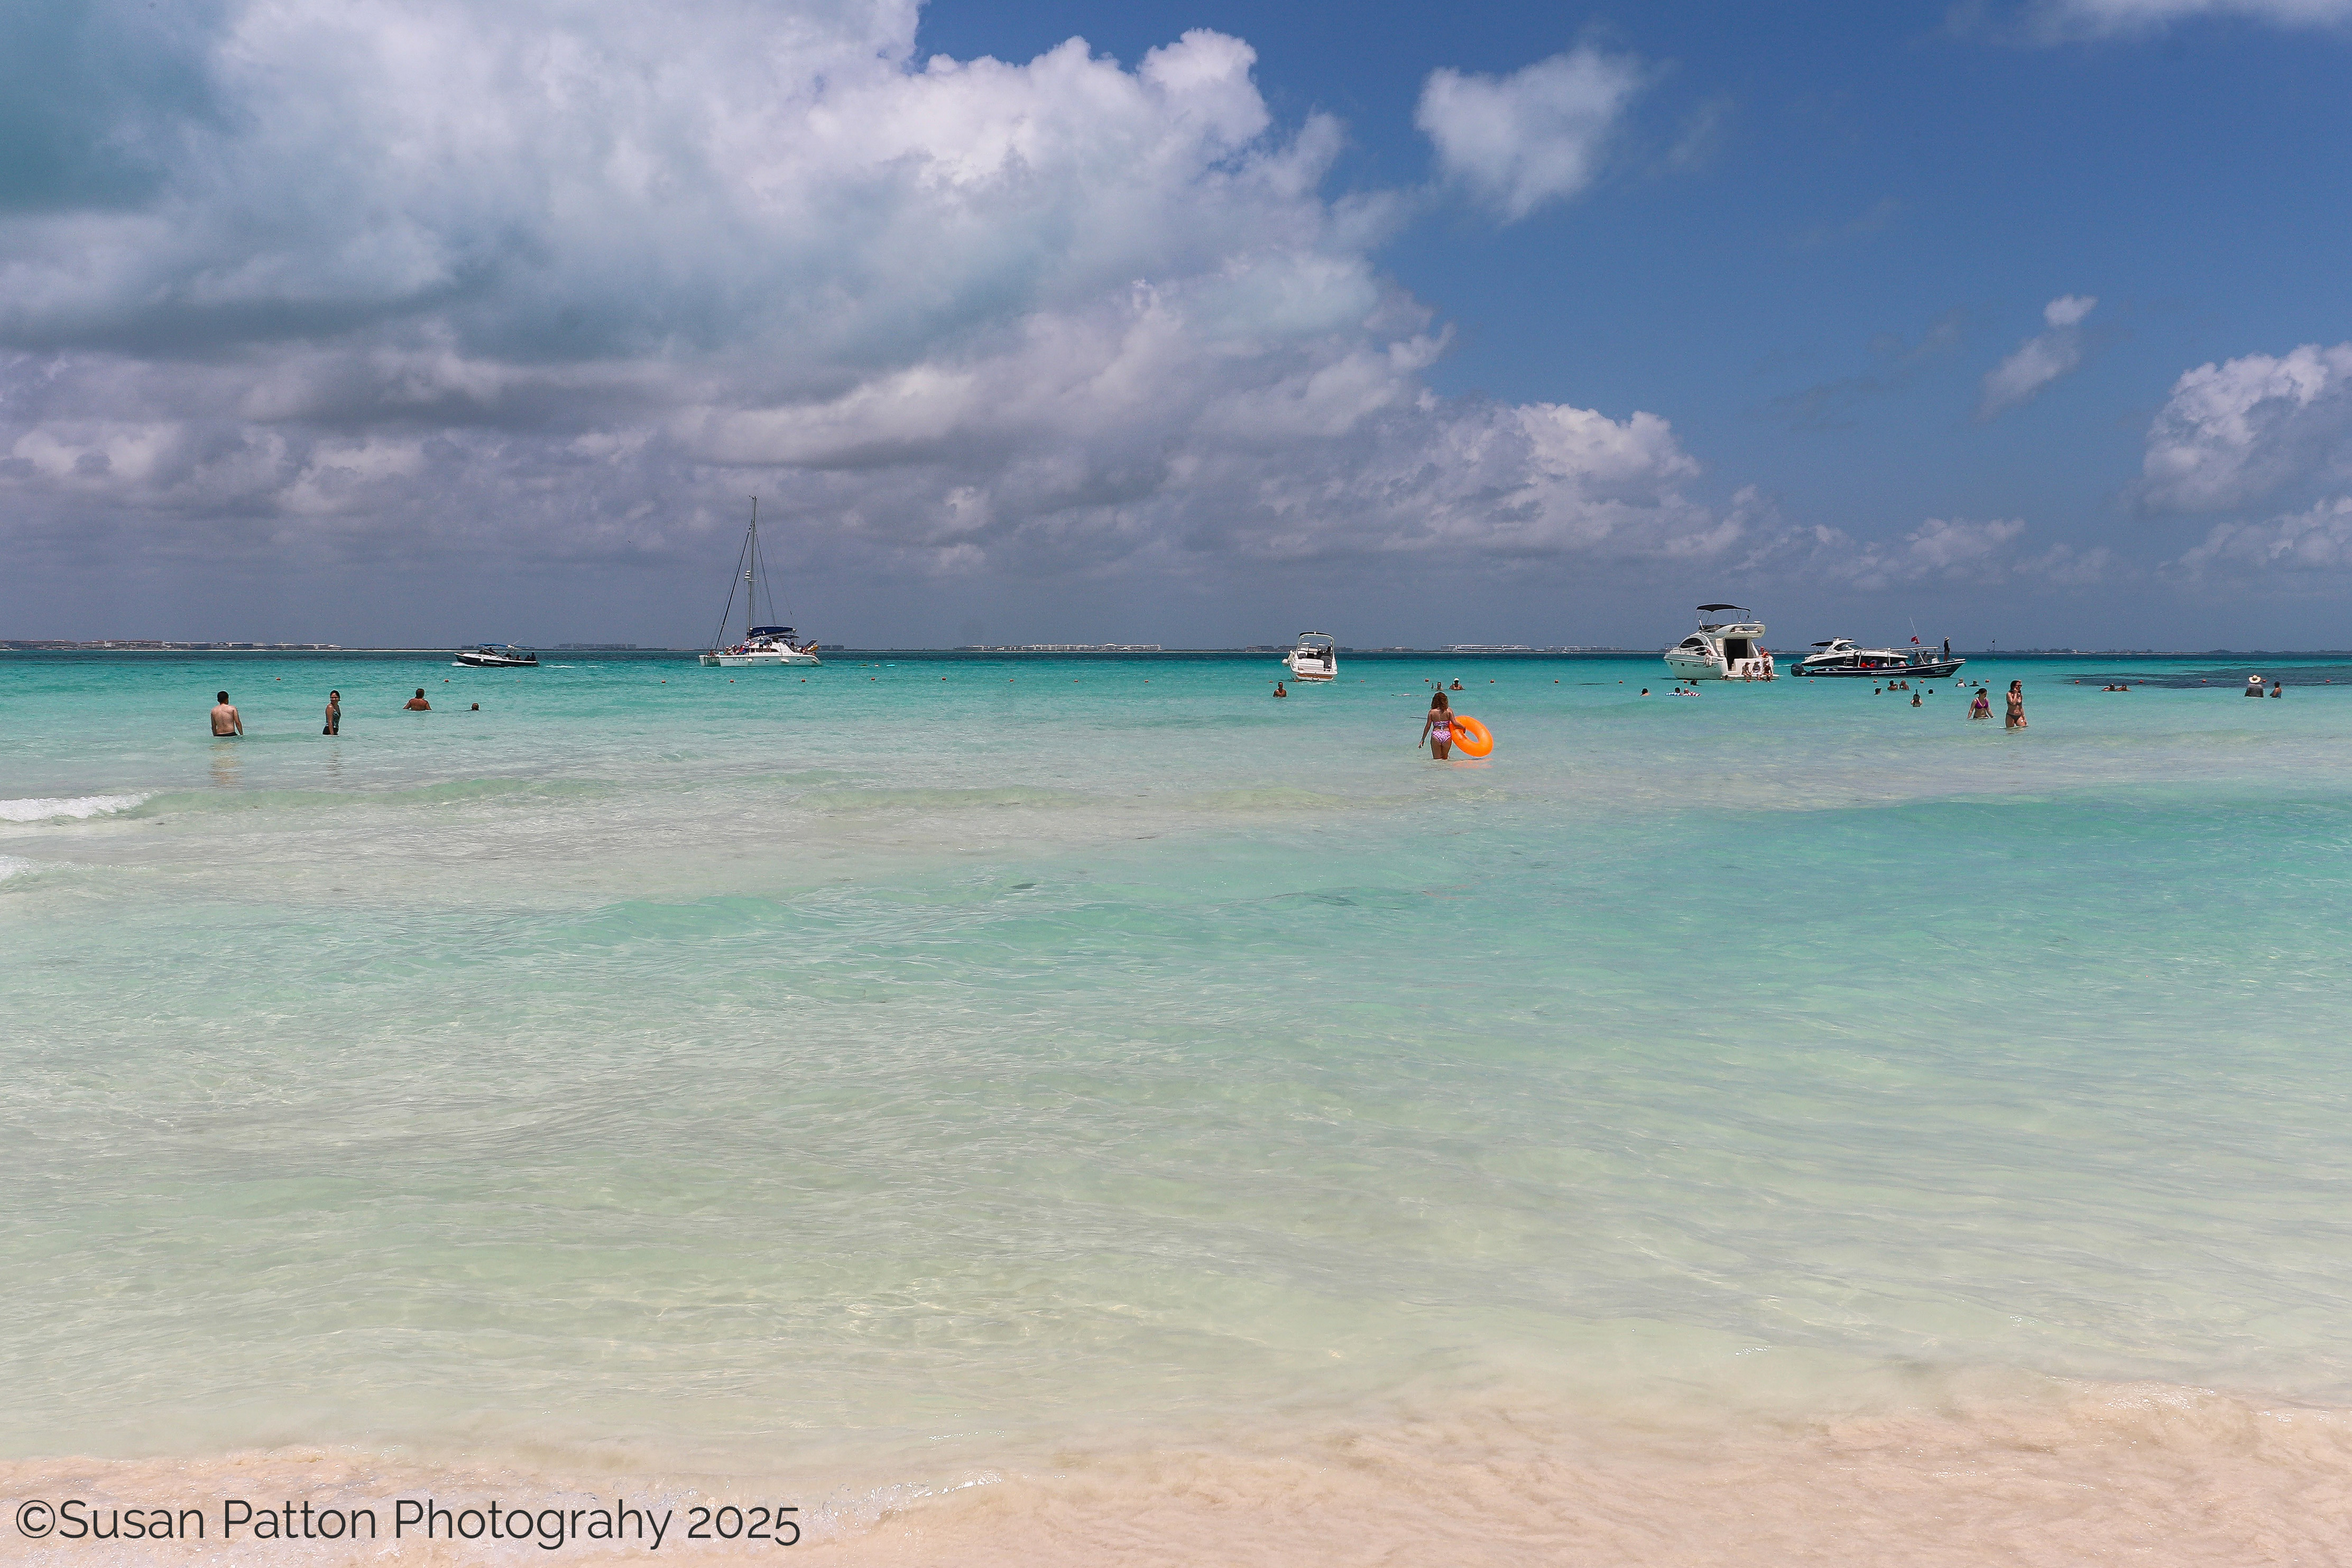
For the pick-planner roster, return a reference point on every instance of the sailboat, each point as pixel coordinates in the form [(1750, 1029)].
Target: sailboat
[(769, 645)]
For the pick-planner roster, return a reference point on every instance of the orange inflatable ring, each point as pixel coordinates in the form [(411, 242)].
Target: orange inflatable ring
[(1471, 738)]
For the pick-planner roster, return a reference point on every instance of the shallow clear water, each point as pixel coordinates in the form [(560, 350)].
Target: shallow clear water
[(942, 1061)]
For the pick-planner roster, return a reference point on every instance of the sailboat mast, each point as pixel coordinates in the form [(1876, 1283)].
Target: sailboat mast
[(750, 573)]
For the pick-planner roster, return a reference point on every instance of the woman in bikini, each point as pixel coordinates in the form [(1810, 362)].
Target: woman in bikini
[(2016, 706), (1438, 728), (1980, 706)]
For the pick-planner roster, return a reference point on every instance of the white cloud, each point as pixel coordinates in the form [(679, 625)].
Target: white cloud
[(2232, 434), (1534, 136), (2041, 359), (595, 273), (1939, 551), (2068, 309), (2318, 540), (2057, 19)]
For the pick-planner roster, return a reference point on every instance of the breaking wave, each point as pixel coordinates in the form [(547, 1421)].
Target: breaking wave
[(66, 808)]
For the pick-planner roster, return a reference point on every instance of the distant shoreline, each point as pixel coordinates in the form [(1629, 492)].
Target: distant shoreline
[(620, 652)]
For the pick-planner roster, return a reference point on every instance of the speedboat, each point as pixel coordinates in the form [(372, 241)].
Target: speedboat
[(760, 646), (1316, 657), (1839, 656), (498, 655), (765, 644), (1723, 650)]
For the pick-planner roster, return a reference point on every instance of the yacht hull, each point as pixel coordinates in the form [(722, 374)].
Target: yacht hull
[(1692, 668), (759, 660), (1935, 669)]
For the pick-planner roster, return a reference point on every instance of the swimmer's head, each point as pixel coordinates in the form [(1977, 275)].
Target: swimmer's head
[(220, 697)]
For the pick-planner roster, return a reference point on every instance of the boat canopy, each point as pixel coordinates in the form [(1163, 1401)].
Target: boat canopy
[(770, 632), (1709, 610)]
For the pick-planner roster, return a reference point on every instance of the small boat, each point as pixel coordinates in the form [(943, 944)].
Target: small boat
[(498, 655), (760, 646), (1723, 650), (1316, 657), (1839, 656)]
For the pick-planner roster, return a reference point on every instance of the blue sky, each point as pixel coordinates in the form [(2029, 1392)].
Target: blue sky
[(417, 322)]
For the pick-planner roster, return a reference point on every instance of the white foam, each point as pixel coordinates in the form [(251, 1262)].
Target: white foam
[(10, 864), (48, 809)]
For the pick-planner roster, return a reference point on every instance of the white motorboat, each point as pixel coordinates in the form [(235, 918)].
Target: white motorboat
[(1316, 657), (1841, 655), (760, 646), (498, 655), (1723, 650)]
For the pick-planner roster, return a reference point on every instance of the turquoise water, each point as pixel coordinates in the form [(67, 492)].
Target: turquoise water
[(1013, 1053)]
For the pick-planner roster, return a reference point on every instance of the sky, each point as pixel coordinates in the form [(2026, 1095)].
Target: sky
[(1182, 321)]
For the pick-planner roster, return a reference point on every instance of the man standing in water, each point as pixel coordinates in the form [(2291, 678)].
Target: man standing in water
[(417, 704), (227, 721)]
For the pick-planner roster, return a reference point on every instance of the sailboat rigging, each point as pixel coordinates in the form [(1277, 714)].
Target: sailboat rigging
[(761, 645)]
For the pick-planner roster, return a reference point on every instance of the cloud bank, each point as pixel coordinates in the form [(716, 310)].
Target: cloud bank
[(2314, 541), (1946, 552), (2059, 19), (375, 277), (2251, 429), (2258, 432), (2041, 359)]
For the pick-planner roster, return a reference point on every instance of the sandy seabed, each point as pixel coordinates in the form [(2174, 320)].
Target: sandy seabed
[(2083, 1474)]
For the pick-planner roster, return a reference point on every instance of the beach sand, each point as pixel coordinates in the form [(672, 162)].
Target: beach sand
[(2081, 1474)]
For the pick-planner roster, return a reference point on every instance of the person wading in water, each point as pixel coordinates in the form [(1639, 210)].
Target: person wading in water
[(1438, 728)]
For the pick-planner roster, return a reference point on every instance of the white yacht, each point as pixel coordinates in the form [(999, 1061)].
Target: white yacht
[(1839, 656), (1723, 650), (1316, 657), (498, 655), (760, 645)]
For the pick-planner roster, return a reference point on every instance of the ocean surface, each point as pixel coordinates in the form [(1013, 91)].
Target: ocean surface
[(1040, 1110)]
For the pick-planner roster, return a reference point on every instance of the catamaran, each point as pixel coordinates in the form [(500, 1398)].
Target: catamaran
[(767, 645)]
